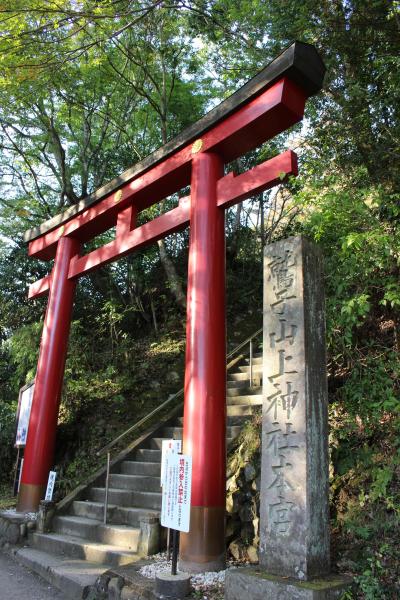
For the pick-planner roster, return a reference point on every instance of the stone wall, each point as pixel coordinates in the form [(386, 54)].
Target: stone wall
[(14, 527), (123, 583), (243, 493)]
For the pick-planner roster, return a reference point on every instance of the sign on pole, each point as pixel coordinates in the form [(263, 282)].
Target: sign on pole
[(23, 414), (50, 486), (176, 492), (174, 446)]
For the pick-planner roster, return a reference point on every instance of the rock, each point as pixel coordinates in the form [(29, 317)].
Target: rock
[(237, 550), (256, 525), (246, 513), (231, 484), (233, 502), (13, 533), (247, 533), (114, 588), (102, 583), (252, 554), (173, 377), (249, 472), (232, 527), (129, 593)]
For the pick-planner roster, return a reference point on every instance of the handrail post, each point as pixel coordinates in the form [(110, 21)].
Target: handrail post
[(106, 490), (251, 362)]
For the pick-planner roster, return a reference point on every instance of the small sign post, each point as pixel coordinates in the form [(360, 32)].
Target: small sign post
[(21, 429), (23, 414), (176, 494), (174, 446), (50, 486)]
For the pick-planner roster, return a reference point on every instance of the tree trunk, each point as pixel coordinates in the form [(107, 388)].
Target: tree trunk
[(172, 275)]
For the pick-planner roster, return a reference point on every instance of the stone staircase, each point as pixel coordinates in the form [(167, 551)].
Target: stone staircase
[(81, 546)]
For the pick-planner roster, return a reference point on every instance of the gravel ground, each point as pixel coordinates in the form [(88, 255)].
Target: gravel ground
[(17, 583), (207, 586)]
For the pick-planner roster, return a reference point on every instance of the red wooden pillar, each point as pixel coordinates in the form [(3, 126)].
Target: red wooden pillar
[(39, 451), (203, 548)]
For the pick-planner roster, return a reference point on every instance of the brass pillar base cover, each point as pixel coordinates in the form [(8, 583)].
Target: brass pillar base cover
[(29, 497), (203, 548)]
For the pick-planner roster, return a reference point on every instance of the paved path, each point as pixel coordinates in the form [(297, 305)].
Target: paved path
[(17, 583)]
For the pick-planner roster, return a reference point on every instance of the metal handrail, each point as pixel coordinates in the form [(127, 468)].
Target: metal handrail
[(168, 401), (247, 341)]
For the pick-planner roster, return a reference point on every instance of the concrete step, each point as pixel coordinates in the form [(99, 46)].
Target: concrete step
[(251, 400), (234, 431), (127, 498), (157, 442), (236, 384), (241, 411), (96, 531), (238, 377), (234, 420), (257, 359), (168, 432), (121, 536), (80, 527), (118, 515), (73, 577), (140, 483), (131, 467), (172, 433), (74, 547), (148, 455), (244, 391), (257, 367)]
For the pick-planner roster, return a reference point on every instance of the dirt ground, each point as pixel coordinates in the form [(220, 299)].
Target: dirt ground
[(17, 583)]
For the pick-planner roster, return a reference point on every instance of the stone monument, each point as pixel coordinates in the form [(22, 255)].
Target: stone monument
[(294, 498)]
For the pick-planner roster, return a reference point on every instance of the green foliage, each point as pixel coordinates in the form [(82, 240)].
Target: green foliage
[(7, 438)]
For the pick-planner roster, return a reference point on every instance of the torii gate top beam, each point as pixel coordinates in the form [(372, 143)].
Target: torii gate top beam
[(168, 169)]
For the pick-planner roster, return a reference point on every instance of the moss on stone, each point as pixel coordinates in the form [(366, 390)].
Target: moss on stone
[(315, 584)]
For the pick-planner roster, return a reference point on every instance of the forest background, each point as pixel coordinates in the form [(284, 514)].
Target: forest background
[(87, 89)]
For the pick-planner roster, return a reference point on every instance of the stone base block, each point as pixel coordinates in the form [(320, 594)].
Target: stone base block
[(14, 527), (149, 541), (252, 583), (172, 586)]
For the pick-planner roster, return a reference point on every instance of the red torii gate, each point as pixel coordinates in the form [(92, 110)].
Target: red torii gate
[(267, 105)]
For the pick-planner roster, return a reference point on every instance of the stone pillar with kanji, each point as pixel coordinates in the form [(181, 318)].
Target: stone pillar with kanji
[(294, 495), (294, 512)]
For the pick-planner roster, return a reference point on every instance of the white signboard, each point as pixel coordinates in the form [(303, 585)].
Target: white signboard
[(174, 446), (23, 415), (50, 486), (176, 492)]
